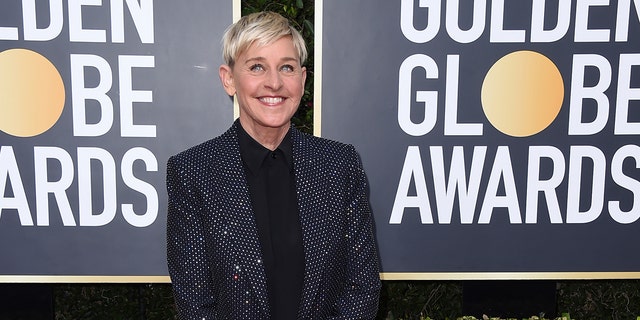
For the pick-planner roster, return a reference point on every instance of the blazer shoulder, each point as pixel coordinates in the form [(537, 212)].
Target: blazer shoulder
[(206, 151), (323, 146)]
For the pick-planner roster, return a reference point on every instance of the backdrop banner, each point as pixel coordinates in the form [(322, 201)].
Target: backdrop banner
[(94, 98), (497, 136)]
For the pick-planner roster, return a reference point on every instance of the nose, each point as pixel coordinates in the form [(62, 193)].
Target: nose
[(273, 80)]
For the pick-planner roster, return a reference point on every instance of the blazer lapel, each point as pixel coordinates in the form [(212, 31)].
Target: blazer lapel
[(309, 199), (243, 233)]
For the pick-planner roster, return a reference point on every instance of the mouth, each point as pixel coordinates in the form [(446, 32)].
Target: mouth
[(271, 100)]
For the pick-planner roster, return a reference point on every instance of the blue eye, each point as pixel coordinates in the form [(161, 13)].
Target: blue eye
[(287, 68), (256, 67)]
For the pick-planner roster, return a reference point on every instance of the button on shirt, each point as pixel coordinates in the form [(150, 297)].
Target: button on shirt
[(273, 196)]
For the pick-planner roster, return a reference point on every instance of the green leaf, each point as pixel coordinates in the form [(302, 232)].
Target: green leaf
[(309, 25)]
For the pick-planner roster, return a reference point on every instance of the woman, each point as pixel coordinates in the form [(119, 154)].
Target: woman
[(264, 221)]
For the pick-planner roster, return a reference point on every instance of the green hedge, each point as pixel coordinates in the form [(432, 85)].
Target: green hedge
[(583, 300)]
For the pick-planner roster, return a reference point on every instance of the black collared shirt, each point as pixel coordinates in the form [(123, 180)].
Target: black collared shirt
[(273, 195)]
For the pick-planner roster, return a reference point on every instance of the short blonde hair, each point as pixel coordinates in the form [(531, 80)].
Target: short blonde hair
[(262, 28)]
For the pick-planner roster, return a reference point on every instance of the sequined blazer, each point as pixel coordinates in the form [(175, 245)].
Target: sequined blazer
[(213, 251)]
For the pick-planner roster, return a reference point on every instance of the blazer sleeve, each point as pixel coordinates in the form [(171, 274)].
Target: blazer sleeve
[(187, 259), (360, 295)]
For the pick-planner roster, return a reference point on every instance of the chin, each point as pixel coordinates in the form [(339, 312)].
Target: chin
[(277, 123)]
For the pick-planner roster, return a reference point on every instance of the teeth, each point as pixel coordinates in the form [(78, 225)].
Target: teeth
[(271, 100)]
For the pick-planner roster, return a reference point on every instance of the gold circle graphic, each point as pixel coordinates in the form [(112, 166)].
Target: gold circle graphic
[(31, 93), (522, 93)]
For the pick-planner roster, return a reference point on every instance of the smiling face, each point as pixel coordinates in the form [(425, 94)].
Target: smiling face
[(268, 82)]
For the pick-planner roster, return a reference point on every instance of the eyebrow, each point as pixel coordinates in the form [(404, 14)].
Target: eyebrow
[(262, 59)]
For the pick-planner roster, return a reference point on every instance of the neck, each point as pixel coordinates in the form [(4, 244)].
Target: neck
[(269, 138)]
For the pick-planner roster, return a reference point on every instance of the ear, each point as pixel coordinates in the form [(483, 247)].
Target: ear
[(304, 78), (226, 77)]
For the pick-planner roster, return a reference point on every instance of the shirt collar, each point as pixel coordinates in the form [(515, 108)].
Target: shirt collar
[(253, 153)]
